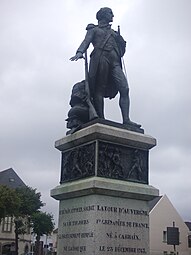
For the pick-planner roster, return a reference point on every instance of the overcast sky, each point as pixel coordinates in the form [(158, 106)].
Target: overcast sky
[(37, 38)]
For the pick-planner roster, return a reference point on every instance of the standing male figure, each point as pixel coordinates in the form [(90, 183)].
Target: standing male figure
[(106, 77)]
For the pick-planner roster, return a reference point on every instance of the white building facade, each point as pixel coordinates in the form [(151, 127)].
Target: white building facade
[(163, 215)]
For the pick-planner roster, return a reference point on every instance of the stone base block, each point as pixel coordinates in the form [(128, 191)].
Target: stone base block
[(105, 151), (103, 216)]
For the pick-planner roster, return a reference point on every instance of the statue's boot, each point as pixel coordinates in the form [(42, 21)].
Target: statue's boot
[(131, 123)]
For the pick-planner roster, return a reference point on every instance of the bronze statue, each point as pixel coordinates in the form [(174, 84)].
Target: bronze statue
[(106, 77)]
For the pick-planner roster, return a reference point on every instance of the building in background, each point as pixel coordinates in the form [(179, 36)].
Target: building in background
[(10, 179), (188, 224), (48, 244), (166, 226), (7, 227)]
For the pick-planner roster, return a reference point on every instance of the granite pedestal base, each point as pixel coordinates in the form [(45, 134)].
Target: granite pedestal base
[(103, 216), (101, 213)]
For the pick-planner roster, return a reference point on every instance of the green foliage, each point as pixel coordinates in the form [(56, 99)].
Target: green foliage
[(30, 201), (9, 202), (24, 203), (42, 223)]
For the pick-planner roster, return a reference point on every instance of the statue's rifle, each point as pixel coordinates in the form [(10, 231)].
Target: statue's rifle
[(123, 62), (92, 111)]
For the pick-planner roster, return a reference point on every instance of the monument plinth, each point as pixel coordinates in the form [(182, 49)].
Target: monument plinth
[(104, 191)]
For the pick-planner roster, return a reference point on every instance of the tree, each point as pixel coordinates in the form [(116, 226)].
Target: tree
[(30, 201), (9, 202), (29, 204), (22, 203), (42, 224)]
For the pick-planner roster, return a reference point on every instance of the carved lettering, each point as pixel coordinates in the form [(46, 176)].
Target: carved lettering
[(74, 248), (110, 222), (75, 223), (76, 235), (125, 249), (141, 250), (129, 237), (123, 236), (119, 227), (140, 225), (102, 248), (122, 249), (77, 209), (120, 223), (133, 211), (106, 208)]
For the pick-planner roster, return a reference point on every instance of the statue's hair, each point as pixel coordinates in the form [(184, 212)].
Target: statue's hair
[(101, 13)]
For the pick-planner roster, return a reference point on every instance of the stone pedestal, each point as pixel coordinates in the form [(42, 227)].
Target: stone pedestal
[(104, 192)]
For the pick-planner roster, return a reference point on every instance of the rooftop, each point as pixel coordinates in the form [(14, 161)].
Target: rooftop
[(10, 178)]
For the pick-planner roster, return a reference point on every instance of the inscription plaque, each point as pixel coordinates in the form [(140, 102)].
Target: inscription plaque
[(98, 224)]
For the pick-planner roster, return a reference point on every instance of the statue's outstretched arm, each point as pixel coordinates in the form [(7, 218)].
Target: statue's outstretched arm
[(84, 46)]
